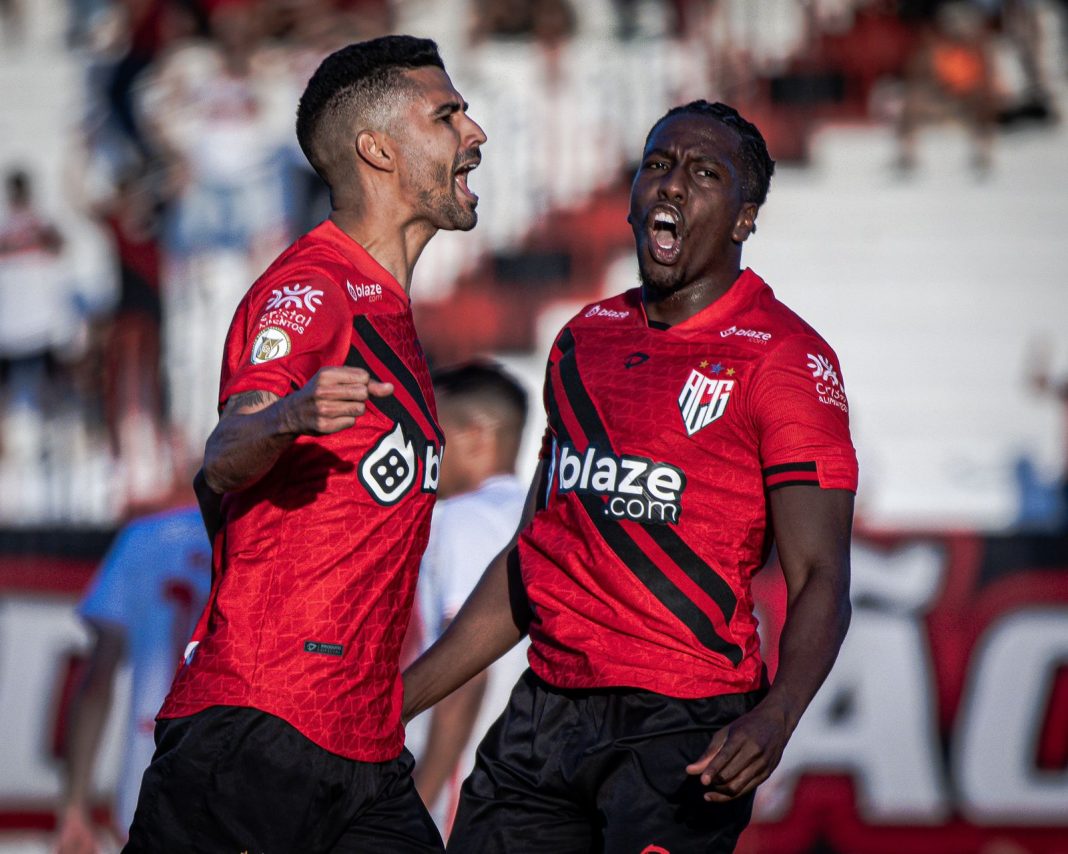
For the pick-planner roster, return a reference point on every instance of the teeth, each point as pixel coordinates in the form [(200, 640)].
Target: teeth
[(663, 217)]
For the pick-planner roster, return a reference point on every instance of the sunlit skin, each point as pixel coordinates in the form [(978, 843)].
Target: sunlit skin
[(410, 177), (690, 173), (441, 146)]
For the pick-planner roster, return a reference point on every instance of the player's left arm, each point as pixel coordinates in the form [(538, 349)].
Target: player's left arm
[(452, 721), (812, 532)]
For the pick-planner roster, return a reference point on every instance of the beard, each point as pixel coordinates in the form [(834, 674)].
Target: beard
[(439, 199), (658, 281)]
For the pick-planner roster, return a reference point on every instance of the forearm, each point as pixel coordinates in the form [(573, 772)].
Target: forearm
[(451, 724), (482, 632), (816, 622), (89, 713), (244, 447)]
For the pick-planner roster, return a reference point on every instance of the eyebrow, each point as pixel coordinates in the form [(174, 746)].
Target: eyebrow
[(700, 158), (447, 109)]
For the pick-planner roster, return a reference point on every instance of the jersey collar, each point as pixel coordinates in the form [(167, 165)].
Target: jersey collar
[(361, 258), (741, 293)]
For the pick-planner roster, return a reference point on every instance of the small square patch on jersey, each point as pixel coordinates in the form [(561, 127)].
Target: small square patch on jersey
[(324, 648)]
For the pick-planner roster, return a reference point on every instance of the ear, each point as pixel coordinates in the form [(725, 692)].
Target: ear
[(745, 224), (376, 150)]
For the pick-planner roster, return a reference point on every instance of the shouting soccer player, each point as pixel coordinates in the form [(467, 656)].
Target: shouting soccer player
[(692, 422), (282, 731)]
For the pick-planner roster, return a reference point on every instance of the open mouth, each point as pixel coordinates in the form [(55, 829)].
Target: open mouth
[(665, 238), (460, 179)]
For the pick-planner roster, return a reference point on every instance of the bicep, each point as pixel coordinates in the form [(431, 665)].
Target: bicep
[(812, 532)]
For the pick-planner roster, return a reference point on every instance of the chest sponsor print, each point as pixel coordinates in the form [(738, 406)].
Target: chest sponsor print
[(704, 398), (636, 488), (388, 471), (371, 291)]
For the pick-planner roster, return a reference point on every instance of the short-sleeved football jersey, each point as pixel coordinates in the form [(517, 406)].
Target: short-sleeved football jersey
[(317, 561), (662, 445)]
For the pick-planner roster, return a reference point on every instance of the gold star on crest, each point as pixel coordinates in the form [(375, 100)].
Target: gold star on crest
[(704, 364), (730, 372)]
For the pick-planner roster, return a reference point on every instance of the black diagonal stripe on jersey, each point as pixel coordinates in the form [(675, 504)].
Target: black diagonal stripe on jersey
[(389, 406), (384, 353), (703, 575), (662, 587), (577, 397)]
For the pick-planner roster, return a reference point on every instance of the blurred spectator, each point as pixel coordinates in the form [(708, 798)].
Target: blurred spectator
[(38, 314), (140, 608), (482, 411), (951, 76), (1021, 27), (129, 339), (214, 109)]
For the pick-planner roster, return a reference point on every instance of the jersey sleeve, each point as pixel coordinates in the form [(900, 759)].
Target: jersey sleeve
[(801, 413), (282, 336), (111, 591)]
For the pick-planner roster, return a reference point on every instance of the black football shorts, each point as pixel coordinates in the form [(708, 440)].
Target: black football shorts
[(231, 779), (573, 772)]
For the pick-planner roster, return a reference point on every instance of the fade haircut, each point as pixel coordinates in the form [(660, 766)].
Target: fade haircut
[(757, 165), (485, 385), (359, 82)]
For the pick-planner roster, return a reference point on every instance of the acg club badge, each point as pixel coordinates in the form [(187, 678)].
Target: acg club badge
[(271, 343)]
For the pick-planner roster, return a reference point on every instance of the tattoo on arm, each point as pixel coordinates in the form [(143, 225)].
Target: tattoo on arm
[(253, 400)]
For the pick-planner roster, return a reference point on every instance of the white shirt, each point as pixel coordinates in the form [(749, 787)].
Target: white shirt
[(466, 532)]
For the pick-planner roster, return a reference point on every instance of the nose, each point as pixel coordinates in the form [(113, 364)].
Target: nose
[(672, 185), (474, 136)]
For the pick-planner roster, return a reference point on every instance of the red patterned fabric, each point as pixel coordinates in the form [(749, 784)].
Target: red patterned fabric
[(317, 564), (663, 445)]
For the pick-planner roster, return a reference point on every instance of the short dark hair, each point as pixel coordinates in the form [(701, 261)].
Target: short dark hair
[(360, 75), (482, 379), (758, 167)]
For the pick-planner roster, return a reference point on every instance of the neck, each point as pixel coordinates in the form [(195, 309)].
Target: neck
[(683, 302), (392, 241)]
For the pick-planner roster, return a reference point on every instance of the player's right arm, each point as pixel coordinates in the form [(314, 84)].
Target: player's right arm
[(486, 627), (257, 426)]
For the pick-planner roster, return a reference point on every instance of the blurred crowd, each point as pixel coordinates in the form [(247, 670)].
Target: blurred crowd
[(187, 165)]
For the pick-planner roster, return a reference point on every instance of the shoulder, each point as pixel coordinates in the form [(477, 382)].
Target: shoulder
[(620, 310), (774, 328), (182, 525)]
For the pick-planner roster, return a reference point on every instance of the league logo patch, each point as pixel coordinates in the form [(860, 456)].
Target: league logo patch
[(703, 400), (271, 343), (388, 469)]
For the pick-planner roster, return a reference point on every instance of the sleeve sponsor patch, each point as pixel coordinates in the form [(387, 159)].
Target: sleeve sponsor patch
[(828, 386)]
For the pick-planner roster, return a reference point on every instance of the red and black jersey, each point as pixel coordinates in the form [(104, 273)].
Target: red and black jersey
[(661, 448), (317, 562)]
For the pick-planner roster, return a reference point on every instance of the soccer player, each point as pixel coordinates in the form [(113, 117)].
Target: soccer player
[(141, 608), (282, 731), (482, 411), (691, 422)]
